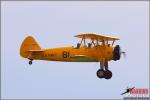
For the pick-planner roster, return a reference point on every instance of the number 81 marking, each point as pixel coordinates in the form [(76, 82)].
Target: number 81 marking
[(65, 54)]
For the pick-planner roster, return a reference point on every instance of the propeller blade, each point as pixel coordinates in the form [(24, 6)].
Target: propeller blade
[(122, 53)]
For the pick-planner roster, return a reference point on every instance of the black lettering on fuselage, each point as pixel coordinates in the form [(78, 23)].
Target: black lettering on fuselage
[(48, 55), (65, 54)]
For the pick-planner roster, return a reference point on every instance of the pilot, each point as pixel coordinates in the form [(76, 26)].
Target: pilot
[(78, 45), (89, 45), (103, 42)]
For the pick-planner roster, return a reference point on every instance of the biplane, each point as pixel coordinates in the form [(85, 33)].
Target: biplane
[(99, 48)]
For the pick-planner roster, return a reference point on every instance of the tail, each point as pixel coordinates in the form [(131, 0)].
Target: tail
[(29, 43)]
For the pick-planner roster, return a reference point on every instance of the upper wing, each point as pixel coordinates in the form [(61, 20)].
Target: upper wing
[(96, 36)]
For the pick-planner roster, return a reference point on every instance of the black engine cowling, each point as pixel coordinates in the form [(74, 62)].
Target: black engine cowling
[(116, 53)]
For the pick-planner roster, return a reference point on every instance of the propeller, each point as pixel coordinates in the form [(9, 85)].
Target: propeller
[(123, 53)]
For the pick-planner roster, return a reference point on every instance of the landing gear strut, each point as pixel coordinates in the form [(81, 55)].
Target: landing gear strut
[(103, 72)]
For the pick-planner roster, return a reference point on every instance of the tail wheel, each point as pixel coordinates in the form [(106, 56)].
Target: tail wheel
[(107, 74), (30, 62), (100, 73)]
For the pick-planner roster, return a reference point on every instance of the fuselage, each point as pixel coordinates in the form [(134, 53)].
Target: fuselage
[(72, 54)]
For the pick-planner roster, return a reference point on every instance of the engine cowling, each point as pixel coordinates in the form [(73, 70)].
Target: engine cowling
[(116, 53)]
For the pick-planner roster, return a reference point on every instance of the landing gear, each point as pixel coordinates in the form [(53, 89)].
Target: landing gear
[(108, 74), (30, 61), (101, 73)]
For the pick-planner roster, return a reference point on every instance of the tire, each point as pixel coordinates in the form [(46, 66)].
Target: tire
[(100, 73), (107, 74), (30, 62)]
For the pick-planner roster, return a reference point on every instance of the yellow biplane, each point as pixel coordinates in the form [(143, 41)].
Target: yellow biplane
[(99, 49)]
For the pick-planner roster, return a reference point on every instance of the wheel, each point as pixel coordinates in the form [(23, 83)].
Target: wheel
[(107, 74), (30, 62), (100, 73)]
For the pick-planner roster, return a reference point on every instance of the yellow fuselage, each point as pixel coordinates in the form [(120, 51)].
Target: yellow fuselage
[(71, 54)]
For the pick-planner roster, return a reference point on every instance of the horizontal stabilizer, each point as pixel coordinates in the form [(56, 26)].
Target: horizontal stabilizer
[(35, 50)]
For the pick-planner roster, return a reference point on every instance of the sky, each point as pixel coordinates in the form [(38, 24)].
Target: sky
[(53, 24)]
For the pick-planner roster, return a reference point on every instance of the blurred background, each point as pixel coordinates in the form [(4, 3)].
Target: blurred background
[(53, 24)]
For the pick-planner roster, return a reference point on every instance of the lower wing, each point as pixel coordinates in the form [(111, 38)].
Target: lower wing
[(83, 58)]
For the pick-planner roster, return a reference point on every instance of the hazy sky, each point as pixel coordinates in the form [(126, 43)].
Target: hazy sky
[(54, 24)]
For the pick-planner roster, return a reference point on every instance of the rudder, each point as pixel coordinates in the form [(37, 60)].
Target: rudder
[(29, 43)]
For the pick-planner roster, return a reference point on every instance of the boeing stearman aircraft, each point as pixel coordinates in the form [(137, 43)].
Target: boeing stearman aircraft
[(100, 49)]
